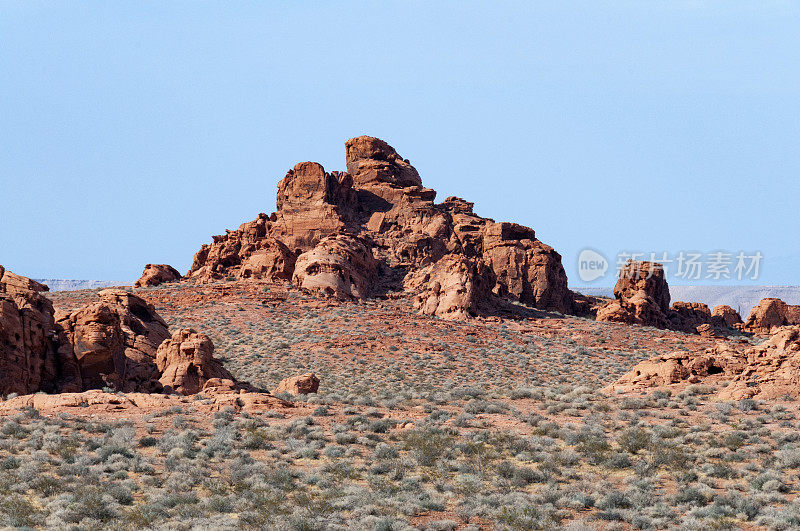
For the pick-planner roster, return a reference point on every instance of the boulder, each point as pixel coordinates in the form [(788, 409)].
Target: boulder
[(186, 363), (155, 274), (114, 342), (727, 316), (771, 313), (455, 287), (299, 385), (339, 266)]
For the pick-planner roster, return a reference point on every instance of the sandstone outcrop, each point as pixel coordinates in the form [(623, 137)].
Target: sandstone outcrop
[(247, 252), (186, 363), (642, 296), (688, 316), (114, 341), (770, 314), (299, 385), (156, 274), (380, 202), (525, 269), (767, 371), (119, 342), (340, 266), (455, 287), (727, 315), (30, 359)]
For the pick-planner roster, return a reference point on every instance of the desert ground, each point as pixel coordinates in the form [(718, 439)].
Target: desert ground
[(418, 423)]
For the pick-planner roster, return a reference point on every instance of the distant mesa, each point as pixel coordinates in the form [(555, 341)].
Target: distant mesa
[(60, 284)]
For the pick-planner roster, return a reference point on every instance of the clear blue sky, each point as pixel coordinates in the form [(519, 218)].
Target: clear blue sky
[(133, 131)]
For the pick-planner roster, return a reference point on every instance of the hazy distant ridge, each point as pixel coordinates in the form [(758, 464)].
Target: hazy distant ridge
[(741, 298), (60, 284)]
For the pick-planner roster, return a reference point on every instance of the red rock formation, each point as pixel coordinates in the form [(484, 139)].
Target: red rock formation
[(118, 342), (248, 252), (642, 296), (455, 287), (30, 359), (767, 371), (687, 316), (727, 315), (186, 363), (114, 341), (155, 274), (525, 269), (771, 313), (312, 205), (299, 385), (382, 201), (372, 161), (340, 266), (772, 369)]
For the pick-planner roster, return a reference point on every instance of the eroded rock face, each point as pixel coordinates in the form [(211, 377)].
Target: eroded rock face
[(381, 202), (312, 205), (642, 296), (340, 266), (156, 274), (767, 371), (771, 313), (299, 385), (186, 363), (372, 161), (115, 341), (455, 287), (248, 252), (30, 360), (525, 269), (727, 315), (688, 316)]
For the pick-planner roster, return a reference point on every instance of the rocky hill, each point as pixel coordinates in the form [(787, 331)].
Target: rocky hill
[(376, 229)]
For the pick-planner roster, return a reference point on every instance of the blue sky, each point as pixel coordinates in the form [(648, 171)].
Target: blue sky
[(133, 131)]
